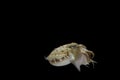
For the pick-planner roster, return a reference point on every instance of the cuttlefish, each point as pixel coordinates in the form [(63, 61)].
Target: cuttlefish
[(74, 53)]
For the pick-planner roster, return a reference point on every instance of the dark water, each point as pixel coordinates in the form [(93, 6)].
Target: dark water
[(37, 45)]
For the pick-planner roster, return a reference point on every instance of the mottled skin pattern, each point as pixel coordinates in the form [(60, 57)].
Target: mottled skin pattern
[(70, 53)]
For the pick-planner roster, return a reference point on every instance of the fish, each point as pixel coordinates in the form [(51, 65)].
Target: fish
[(74, 53)]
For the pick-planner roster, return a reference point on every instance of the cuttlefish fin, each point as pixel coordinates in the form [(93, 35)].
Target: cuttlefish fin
[(81, 60)]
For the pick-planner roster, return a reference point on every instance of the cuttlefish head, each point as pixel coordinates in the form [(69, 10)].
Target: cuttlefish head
[(60, 56)]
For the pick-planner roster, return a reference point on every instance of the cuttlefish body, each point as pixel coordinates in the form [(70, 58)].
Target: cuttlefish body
[(74, 53)]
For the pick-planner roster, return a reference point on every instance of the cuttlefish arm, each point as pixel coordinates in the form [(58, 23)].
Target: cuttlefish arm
[(82, 56), (80, 60)]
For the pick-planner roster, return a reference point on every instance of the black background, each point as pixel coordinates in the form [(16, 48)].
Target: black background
[(35, 33), (39, 42)]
